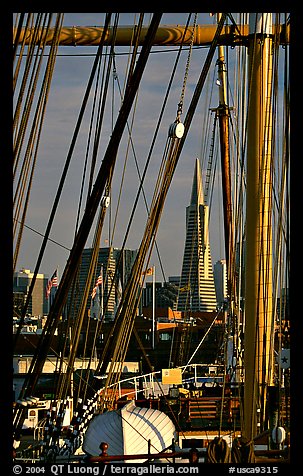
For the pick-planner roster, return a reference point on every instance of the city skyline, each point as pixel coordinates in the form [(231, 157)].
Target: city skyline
[(22, 280), (72, 69)]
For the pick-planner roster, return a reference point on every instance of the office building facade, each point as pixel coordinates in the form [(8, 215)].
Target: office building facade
[(38, 303), (112, 270), (197, 288)]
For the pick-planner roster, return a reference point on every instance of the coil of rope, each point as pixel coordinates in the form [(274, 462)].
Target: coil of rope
[(218, 451), (243, 451)]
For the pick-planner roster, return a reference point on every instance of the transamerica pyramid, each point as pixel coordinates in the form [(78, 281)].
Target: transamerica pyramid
[(197, 287)]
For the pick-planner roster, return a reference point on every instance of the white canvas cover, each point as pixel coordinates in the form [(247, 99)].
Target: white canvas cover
[(127, 431)]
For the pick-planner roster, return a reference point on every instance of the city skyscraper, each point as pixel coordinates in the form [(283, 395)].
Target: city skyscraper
[(107, 293), (38, 304), (197, 288)]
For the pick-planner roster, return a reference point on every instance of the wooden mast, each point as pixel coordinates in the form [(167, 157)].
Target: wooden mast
[(258, 345), (223, 115)]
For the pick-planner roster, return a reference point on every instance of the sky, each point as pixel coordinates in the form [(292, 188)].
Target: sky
[(72, 70)]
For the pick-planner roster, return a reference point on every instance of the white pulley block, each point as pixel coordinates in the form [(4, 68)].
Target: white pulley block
[(176, 129), (278, 434), (105, 200)]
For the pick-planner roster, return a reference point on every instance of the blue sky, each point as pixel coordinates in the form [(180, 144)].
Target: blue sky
[(69, 82)]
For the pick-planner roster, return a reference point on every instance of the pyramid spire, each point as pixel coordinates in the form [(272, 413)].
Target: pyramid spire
[(197, 188), (197, 287)]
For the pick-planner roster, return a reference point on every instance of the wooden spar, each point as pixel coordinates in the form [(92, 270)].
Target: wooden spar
[(223, 115), (167, 35), (258, 345)]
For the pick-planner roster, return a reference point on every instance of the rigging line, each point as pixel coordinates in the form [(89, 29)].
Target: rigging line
[(100, 115), (151, 148), (102, 104), (87, 152), (16, 37), (124, 170), (41, 234), (180, 105), (286, 156), (210, 159), (81, 313), (166, 50), (29, 22), (130, 72), (157, 208), (64, 173), (31, 88), (200, 343), (21, 135), (26, 163), (278, 264), (40, 113), (157, 380), (240, 183), (131, 295), (72, 357), (213, 180), (108, 162), (127, 288), (135, 49), (131, 67), (99, 322), (93, 351), (282, 172), (205, 131), (45, 87), (129, 55)]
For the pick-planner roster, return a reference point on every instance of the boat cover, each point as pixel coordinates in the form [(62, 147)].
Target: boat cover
[(127, 431)]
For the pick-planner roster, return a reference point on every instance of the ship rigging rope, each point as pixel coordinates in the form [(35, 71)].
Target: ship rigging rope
[(180, 105), (107, 164), (80, 319), (28, 64), (100, 318), (218, 451), (106, 275), (150, 153), (172, 151), (62, 180), (242, 451), (113, 279), (16, 37), (129, 128), (178, 114), (31, 88), (48, 324), (29, 23), (34, 136)]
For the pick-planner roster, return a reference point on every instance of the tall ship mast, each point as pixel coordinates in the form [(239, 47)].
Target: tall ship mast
[(258, 279)]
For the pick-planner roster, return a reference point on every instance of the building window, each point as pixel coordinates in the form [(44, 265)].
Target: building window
[(164, 336)]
